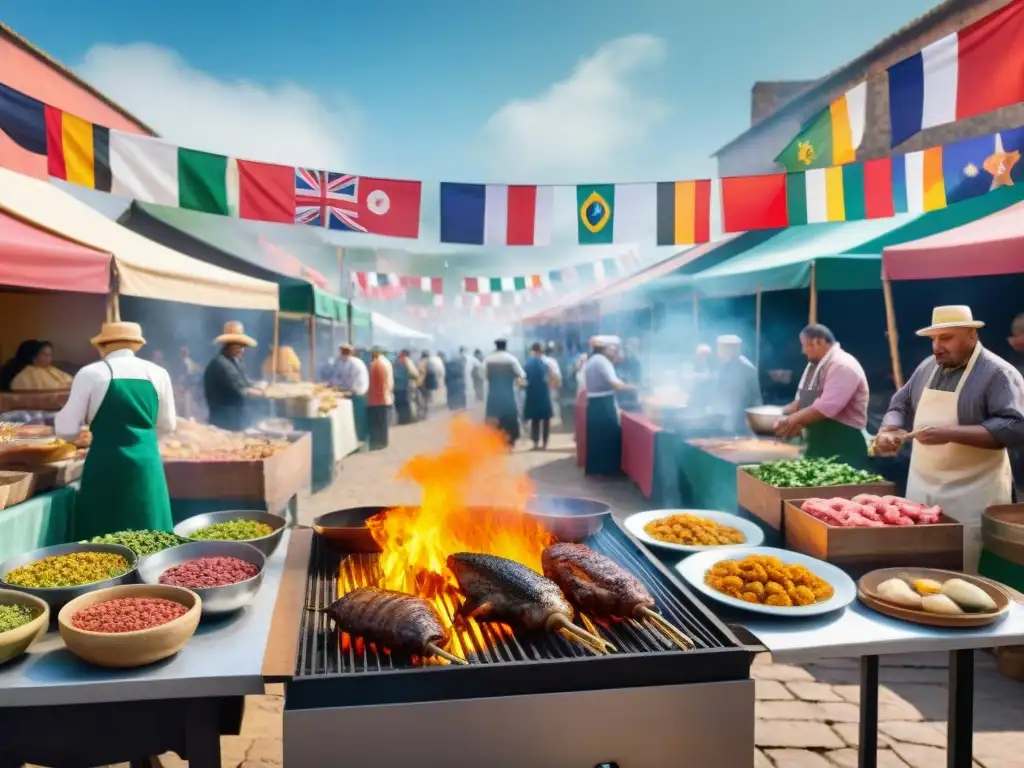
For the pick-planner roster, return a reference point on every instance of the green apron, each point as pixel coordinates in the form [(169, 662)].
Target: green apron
[(123, 482), (828, 438)]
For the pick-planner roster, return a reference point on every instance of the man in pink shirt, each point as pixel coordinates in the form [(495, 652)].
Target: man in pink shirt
[(831, 405)]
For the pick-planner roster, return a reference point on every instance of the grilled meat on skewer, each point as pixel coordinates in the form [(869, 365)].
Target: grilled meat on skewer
[(595, 583), (499, 589), (598, 585), (395, 620)]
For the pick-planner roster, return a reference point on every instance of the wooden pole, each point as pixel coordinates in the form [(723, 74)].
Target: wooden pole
[(814, 295), (757, 329), (890, 331), (273, 349), (312, 347)]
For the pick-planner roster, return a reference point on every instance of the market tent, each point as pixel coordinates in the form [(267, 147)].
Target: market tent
[(33, 258), (395, 329), (361, 318), (993, 245), (301, 298), (145, 268)]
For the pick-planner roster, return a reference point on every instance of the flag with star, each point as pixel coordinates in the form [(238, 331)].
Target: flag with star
[(973, 167)]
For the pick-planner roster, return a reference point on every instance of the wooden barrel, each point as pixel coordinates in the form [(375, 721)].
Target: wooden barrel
[(1002, 531)]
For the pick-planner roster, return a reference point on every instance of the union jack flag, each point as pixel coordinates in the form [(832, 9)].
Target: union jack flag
[(327, 199)]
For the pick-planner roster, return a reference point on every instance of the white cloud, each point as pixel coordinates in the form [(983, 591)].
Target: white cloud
[(284, 123), (580, 124)]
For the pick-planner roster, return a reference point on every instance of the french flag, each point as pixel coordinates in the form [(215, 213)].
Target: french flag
[(976, 70), (496, 214)]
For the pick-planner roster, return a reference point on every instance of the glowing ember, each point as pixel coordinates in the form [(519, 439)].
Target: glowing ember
[(472, 469)]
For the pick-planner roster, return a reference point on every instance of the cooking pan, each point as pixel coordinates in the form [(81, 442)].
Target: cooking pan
[(569, 518), (345, 529)]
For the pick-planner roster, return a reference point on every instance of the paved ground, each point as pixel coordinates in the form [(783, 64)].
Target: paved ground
[(806, 715)]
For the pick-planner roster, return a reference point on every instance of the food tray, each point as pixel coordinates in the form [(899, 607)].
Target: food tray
[(927, 546), (766, 502), (869, 583), (271, 481)]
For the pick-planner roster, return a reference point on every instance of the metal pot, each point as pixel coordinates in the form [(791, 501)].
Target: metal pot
[(569, 518), (216, 600), (265, 544), (761, 419), (57, 597)]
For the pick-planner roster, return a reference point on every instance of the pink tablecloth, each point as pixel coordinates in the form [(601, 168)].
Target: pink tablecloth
[(580, 428), (638, 435)]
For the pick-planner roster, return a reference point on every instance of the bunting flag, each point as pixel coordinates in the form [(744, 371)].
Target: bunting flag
[(597, 270), (684, 212), (615, 213), (77, 151), (495, 214), (831, 137), (975, 70), (366, 280)]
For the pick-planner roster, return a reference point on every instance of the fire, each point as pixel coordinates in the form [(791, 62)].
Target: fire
[(471, 503)]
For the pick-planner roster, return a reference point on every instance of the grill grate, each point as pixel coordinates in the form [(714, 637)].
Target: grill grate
[(323, 651)]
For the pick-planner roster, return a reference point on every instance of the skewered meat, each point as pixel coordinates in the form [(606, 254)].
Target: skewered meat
[(498, 589), (595, 583), (396, 620)]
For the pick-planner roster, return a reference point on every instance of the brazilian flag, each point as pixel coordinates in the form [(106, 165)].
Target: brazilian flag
[(595, 213)]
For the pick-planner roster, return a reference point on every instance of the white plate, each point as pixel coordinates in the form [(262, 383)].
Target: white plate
[(752, 534), (693, 569)]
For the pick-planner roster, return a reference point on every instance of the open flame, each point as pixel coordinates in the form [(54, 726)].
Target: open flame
[(471, 503)]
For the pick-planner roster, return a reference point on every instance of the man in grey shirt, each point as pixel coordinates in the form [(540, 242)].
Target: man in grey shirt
[(963, 408)]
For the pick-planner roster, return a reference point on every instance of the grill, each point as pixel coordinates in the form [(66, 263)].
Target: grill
[(339, 682)]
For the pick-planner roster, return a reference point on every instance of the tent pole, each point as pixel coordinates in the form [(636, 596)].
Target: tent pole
[(273, 348), (757, 329), (312, 347), (814, 295), (346, 291), (890, 331)]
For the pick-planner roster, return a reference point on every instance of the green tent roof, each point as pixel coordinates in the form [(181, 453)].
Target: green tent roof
[(306, 299), (361, 317), (846, 255)]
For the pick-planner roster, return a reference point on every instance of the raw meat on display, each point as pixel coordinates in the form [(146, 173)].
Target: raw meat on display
[(870, 511)]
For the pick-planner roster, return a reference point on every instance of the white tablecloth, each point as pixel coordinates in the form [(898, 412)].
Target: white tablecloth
[(343, 429)]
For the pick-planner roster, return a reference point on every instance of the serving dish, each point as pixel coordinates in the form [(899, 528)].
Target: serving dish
[(124, 650), (867, 593), (16, 641), (216, 600), (569, 518), (694, 568), (762, 418), (265, 544), (753, 535), (58, 596)]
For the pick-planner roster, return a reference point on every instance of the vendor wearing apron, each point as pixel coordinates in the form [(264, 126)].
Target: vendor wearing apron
[(127, 402), (965, 407), (604, 432), (831, 406)]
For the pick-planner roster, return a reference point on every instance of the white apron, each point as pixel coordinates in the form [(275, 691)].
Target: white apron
[(959, 478)]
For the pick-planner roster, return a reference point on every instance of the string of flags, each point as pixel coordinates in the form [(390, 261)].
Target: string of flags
[(975, 70)]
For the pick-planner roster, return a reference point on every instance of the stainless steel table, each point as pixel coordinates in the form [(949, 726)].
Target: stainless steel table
[(105, 716), (860, 632)]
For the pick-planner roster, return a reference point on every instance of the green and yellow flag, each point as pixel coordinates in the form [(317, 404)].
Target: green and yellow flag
[(831, 137)]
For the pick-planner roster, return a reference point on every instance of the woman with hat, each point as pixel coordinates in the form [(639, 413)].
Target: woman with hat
[(127, 403), (962, 408), (225, 382)]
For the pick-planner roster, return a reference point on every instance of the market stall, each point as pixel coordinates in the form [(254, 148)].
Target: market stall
[(391, 334)]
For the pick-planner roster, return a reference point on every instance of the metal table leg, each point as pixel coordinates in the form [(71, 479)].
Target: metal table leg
[(202, 733), (868, 750), (960, 726)]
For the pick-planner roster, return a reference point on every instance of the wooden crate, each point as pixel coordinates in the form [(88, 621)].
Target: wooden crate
[(271, 481), (766, 502), (923, 546), (15, 487)]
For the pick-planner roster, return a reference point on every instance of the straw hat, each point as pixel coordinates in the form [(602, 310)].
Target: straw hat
[(111, 333), (346, 347), (234, 333), (954, 316)]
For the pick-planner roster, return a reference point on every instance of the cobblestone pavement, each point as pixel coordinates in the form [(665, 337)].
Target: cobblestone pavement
[(806, 715)]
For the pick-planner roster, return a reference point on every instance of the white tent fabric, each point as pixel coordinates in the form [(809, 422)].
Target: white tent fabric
[(144, 268), (391, 328)]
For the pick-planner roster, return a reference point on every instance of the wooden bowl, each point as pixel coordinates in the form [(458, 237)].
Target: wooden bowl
[(867, 592), (123, 650), (15, 642)]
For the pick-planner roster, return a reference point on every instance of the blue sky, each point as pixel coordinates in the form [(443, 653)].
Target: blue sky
[(550, 91)]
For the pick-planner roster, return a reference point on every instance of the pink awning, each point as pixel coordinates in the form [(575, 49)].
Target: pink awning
[(993, 245), (33, 258)]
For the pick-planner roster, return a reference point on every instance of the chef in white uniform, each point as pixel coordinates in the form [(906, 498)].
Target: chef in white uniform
[(964, 407)]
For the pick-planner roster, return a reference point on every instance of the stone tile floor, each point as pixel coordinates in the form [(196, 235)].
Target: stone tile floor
[(806, 715)]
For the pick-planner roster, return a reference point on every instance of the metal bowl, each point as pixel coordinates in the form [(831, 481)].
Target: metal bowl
[(56, 597), (569, 518), (345, 529), (761, 419), (265, 544), (216, 600)]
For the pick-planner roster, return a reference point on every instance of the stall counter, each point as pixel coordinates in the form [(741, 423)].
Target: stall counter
[(334, 438), (41, 521)]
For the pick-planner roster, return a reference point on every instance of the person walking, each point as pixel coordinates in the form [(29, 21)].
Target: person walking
[(537, 409), (407, 380), (503, 372), (380, 397)]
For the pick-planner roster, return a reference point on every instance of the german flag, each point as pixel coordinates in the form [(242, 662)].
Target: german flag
[(77, 151)]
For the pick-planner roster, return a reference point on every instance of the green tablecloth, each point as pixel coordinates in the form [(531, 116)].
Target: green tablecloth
[(42, 521), (994, 567)]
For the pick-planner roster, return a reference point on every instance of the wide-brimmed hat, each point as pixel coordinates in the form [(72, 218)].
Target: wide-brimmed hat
[(234, 333), (111, 333), (952, 316), (346, 347)]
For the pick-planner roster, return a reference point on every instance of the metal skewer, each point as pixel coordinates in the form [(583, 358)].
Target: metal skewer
[(562, 622)]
